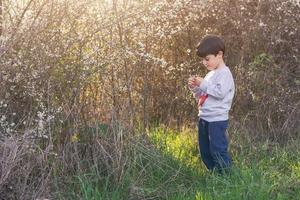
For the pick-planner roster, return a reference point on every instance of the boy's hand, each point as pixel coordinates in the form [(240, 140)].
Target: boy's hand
[(191, 82), (194, 81)]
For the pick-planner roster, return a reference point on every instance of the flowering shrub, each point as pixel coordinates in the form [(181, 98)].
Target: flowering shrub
[(64, 65)]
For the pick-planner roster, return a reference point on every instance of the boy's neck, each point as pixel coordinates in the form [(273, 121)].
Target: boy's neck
[(221, 65)]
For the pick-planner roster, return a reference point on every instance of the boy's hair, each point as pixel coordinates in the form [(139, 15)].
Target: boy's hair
[(210, 44)]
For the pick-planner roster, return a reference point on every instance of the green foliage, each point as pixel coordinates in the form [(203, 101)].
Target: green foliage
[(265, 171), (91, 187), (181, 145), (168, 167)]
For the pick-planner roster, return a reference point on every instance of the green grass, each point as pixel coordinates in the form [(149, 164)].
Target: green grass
[(167, 166), (261, 171)]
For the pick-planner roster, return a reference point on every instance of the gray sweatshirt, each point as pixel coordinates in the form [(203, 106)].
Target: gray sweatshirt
[(219, 86)]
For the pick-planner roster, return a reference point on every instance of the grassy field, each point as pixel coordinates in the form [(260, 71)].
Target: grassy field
[(165, 165)]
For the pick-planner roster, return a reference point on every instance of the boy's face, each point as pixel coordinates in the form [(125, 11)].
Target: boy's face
[(212, 62)]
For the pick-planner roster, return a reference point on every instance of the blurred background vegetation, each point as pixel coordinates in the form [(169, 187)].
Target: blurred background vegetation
[(83, 82)]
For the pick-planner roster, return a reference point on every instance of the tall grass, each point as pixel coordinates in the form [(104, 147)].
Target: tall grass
[(165, 165), (261, 171)]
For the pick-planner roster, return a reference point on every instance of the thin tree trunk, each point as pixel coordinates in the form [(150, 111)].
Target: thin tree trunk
[(1, 17), (128, 78)]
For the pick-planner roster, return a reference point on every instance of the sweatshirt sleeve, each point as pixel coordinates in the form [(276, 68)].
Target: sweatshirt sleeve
[(196, 92), (219, 87)]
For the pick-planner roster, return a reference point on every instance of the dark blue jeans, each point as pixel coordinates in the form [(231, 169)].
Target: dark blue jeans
[(213, 144)]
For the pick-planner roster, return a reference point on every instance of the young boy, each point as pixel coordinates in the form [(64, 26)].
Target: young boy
[(214, 94)]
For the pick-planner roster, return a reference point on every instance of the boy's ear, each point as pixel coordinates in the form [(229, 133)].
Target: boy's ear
[(220, 53)]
